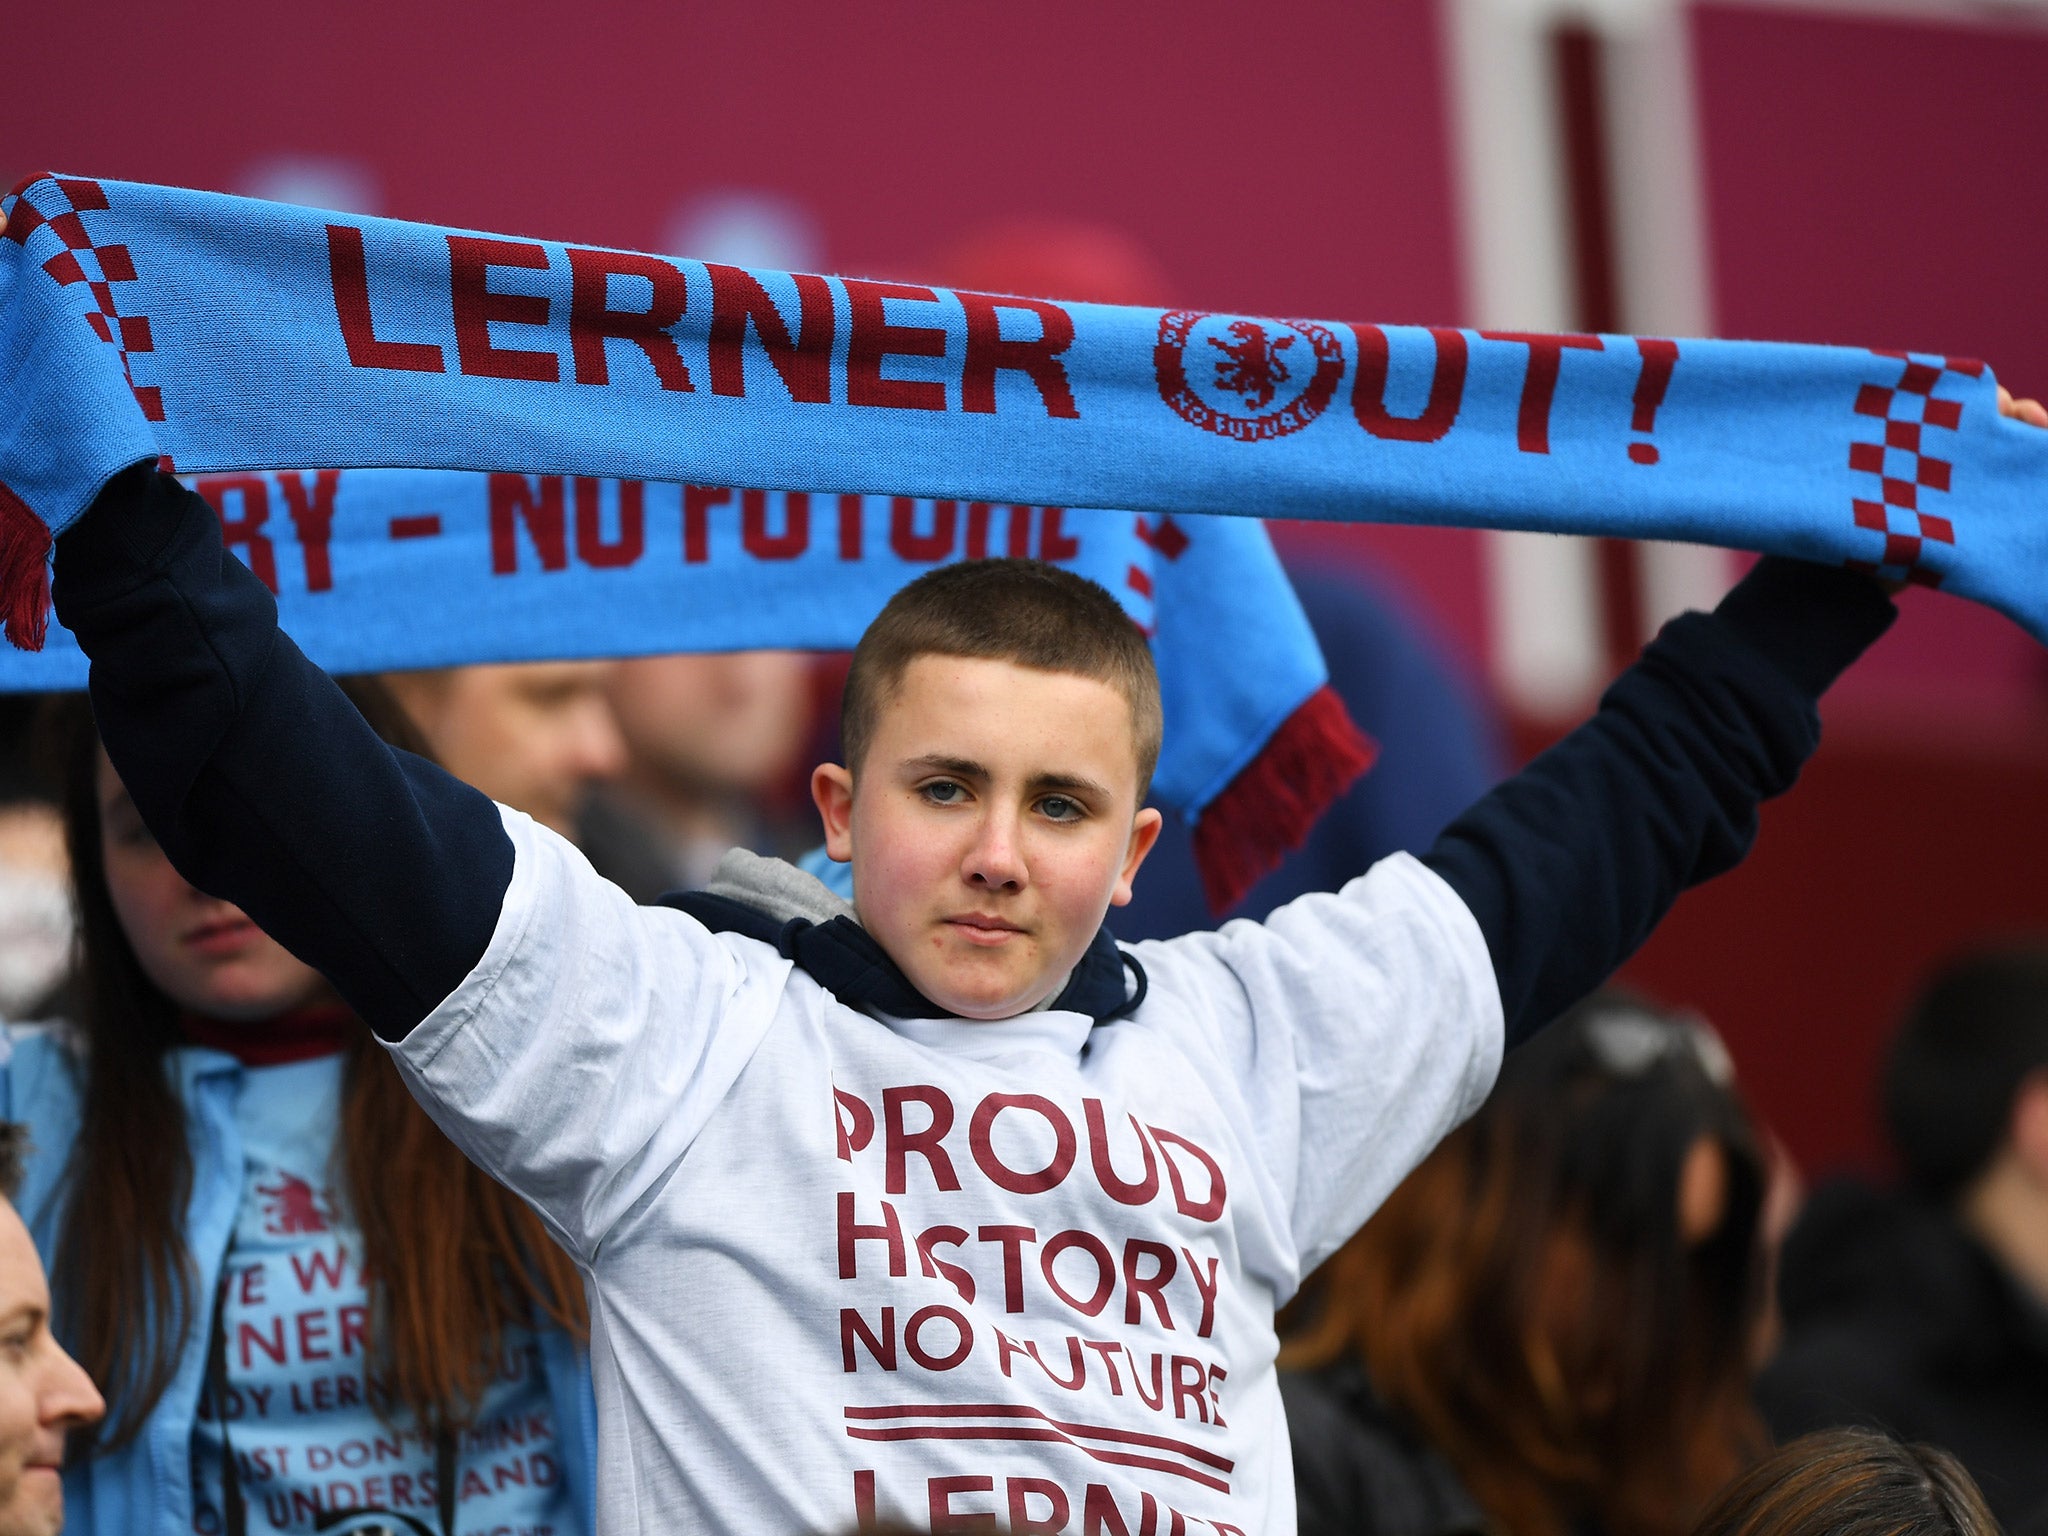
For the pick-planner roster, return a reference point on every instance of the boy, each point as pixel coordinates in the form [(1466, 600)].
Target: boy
[(854, 1246), (938, 1207)]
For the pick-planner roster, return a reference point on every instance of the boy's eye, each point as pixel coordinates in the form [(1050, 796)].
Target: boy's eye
[(943, 792), (1060, 808)]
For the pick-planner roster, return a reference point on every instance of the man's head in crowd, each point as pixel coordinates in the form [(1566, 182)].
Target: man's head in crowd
[(532, 735), (1001, 726), (1851, 1482), (44, 1395), (717, 746), (1966, 1100), (712, 725)]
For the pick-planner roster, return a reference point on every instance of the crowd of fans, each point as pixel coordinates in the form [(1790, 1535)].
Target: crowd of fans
[(1582, 1314)]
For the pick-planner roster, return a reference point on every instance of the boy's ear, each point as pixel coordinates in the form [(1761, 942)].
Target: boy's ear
[(1144, 833), (832, 792)]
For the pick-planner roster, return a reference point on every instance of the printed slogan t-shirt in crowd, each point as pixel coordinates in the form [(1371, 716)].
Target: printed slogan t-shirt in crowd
[(308, 1442), (1007, 1276)]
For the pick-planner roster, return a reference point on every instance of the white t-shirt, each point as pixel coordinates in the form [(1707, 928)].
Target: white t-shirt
[(1013, 1276)]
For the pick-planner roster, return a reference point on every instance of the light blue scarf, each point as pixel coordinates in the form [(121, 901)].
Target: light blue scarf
[(226, 336)]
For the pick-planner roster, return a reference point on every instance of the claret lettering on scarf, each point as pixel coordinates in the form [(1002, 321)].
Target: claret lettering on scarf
[(1248, 380), (556, 523), (647, 302), (1252, 380)]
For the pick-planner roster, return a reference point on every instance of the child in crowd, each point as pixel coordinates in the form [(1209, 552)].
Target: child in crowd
[(937, 1206), (245, 1211), (1550, 1327)]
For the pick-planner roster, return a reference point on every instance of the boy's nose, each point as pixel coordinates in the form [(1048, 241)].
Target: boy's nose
[(996, 860)]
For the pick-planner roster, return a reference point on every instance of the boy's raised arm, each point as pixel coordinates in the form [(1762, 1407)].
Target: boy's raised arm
[(1569, 864), (256, 773)]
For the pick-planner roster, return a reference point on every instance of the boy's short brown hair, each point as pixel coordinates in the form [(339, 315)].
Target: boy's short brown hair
[(1021, 611)]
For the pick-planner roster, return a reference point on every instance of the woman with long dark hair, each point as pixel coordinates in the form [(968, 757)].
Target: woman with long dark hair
[(306, 1309), (1550, 1326)]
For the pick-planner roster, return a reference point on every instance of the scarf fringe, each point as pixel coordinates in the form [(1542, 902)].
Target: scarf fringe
[(1268, 809), (24, 573)]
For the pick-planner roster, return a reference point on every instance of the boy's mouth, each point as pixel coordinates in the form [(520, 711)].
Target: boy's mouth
[(983, 928)]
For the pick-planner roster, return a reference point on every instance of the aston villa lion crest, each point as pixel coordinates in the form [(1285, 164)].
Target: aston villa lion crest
[(1242, 378), (292, 1207)]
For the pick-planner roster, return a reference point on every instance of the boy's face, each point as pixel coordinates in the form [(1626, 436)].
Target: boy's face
[(996, 822)]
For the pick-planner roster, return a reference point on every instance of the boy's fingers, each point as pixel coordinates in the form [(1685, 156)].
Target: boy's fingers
[(2032, 412)]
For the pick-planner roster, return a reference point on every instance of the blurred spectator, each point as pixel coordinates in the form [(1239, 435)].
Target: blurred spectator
[(35, 908), (532, 735), (1848, 1482), (714, 748), (43, 1393), (35, 901), (1439, 751), (223, 1152), (1549, 1326), (1925, 1312), (1439, 747)]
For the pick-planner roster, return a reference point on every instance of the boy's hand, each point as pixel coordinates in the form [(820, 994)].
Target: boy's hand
[(2032, 412)]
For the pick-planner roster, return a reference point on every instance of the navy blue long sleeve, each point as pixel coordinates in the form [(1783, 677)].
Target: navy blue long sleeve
[(258, 777), (1572, 862)]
